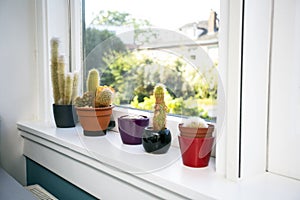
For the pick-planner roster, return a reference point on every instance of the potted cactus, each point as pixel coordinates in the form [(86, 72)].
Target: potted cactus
[(94, 107), (195, 127), (157, 139), (65, 87), (196, 141)]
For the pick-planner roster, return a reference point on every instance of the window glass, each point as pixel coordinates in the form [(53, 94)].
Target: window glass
[(137, 44)]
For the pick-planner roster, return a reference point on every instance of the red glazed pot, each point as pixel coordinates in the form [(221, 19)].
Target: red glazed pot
[(195, 151)]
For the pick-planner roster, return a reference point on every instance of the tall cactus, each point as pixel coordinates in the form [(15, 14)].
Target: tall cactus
[(93, 80), (68, 89), (75, 86), (160, 108), (54, 65), (61, 77), (64, 87)]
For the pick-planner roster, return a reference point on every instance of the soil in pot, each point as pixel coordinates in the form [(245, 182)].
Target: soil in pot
[(195, 151), (131, 128), (94, 121), (65, 116), (196, 132), (156, 142)]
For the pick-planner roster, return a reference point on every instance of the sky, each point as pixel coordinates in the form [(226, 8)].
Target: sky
[(168, 14)]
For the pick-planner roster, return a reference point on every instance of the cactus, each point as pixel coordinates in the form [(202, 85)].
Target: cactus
[(103, 96), (96, 96), (68, 89), (64, 87), (75, 86), (195, 122), (160, 109), (61, 77), (93, 80), (87, 100), (54, 65)]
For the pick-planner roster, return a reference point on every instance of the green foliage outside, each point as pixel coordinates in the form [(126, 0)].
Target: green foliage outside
[(136, 73)]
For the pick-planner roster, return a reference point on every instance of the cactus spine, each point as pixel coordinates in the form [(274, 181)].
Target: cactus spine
[(93, 80), (54, 65), (160, 109)]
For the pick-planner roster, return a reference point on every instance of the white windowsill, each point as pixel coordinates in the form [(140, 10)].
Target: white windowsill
[(131, 165)]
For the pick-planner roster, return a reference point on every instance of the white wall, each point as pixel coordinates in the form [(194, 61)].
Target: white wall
[(256, 45), (284, 132), (18, 80)]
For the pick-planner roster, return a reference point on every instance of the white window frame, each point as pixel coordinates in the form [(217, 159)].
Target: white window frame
[(234, 153), (43, 37)]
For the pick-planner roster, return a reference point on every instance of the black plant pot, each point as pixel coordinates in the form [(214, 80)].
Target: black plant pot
[(156, 142), (65, 116)]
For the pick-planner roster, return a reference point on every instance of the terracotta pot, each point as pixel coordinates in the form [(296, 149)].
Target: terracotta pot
[(195, 151), (131, 129), (196, 132), (65, 116), (156, 142), (94, 121)]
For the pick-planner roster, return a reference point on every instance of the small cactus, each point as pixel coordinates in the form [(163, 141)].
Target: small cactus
[(93, 80), (103, 97), (160, 109), (96, 96), (195, 122), (87, 100)]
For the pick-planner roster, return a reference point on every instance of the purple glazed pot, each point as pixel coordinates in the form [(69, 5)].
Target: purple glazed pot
[(131, 129)]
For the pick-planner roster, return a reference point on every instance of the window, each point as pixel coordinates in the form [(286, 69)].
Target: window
[(234, 154), (136, 46)]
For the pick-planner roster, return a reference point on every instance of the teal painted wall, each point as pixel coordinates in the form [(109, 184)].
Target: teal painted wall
[(57, 186)]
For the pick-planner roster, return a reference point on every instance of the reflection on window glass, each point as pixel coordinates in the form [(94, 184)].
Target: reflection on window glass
[(137, 44)]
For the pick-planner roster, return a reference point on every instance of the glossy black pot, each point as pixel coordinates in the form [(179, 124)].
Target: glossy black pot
[(65, 116), (156, 142)]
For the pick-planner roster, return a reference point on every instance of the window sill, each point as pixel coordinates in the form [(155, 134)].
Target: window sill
[(84, 161)]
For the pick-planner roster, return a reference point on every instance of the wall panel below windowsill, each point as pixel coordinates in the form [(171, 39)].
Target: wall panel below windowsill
[(98, 164)]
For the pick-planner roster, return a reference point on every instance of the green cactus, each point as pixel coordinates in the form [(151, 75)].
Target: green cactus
[(68, 89), (54, 65), (96, 95), (160, 109), (61, 78), (103, 98), (93, 80), (75, 86), (64, 87), (87, 100)]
